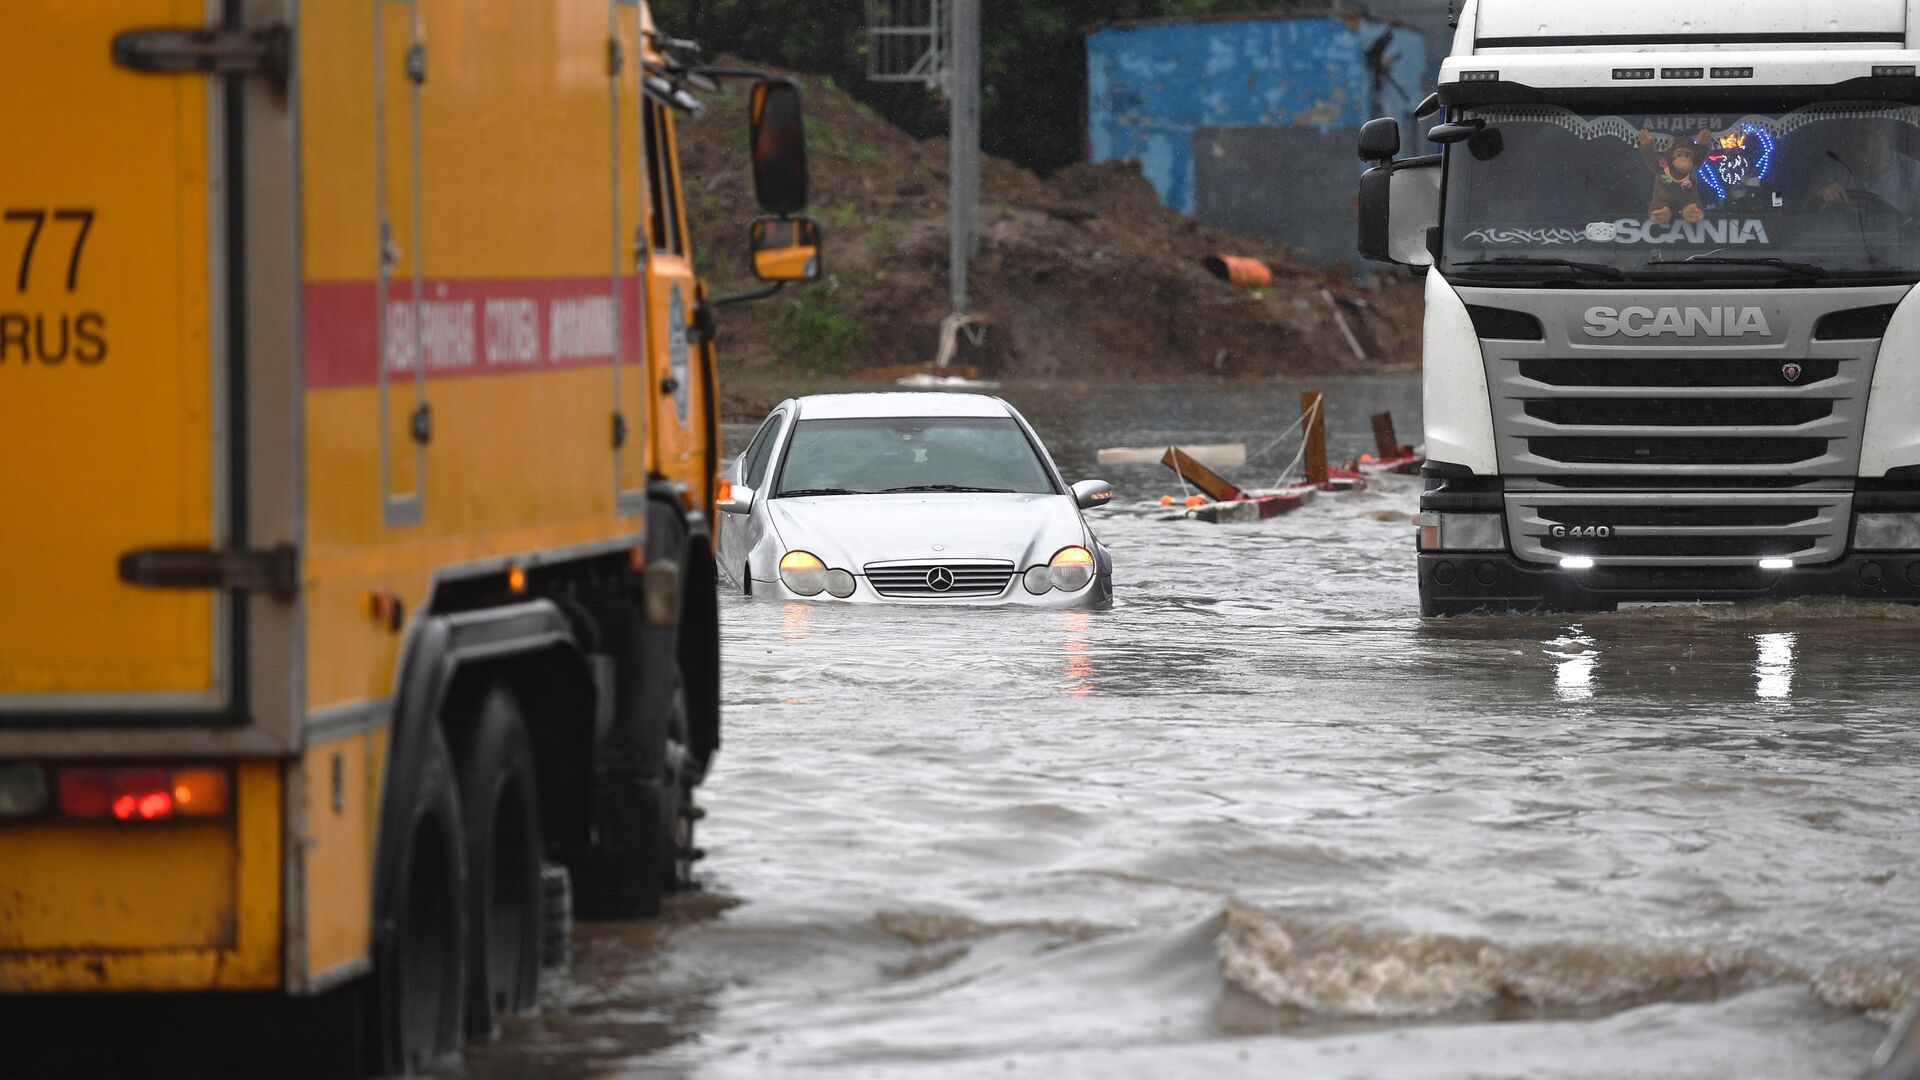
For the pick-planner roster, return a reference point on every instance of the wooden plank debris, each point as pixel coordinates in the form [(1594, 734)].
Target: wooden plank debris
[(1215, 455), (1217, 487)]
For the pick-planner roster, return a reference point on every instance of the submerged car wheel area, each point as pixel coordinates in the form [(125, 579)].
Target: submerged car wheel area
[(910, 498)]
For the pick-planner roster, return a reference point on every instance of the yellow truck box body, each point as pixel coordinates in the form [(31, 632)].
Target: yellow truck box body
[(107, 363), (462, 222)]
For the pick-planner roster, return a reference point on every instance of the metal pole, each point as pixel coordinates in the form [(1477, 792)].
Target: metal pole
[(963, 158)]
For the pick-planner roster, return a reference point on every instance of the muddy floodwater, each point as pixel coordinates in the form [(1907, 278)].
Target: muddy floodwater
[(1261, 820)]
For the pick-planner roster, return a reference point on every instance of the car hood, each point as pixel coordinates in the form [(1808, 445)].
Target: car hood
[(850, 531)]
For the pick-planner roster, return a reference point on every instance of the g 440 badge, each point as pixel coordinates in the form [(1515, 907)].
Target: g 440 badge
[(1581, 532)]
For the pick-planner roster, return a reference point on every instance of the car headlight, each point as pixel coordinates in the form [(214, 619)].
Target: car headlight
[(1038, 580), (803, 572), (1071, 569), (1886, 532)]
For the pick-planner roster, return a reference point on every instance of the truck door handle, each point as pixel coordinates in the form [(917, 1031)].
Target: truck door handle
[(274, 570), (206, 50)]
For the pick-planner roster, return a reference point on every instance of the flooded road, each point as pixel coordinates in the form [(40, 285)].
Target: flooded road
[(1259, 819)]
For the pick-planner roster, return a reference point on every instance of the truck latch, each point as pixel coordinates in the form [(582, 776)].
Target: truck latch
[(186, 50), (274, 570)]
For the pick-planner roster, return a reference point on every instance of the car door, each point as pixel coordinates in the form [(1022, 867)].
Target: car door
[(740, 532)]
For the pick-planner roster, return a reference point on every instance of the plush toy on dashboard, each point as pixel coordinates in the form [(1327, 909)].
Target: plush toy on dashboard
[(1674, 189)]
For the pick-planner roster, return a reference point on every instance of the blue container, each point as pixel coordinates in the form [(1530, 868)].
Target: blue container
[(1250, 124)]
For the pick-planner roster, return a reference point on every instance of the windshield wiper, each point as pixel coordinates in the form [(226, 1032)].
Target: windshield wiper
[(1801, 268), (945, 488), (801, 493), (1600, 270)]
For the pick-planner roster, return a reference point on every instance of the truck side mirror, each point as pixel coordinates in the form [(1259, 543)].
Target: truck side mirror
[(1380, 140), (786, 249), (779, 140), (1399, 202)]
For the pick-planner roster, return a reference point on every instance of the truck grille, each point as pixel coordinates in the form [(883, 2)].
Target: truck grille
[(1679, 528), (1637, 449), (1670, 372), (1679, 412), (1677, 454), (924, 579), (1632, 416)]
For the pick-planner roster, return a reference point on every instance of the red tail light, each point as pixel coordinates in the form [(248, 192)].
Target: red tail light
[(142, 795), (146, 793), (85, 793)]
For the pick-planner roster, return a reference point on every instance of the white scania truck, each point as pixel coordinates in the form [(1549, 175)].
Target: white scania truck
[(1672, 336)]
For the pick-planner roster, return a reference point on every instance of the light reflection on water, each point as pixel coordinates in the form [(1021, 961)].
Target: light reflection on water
[(1573, 680), (1773, 668), (1259, 812)]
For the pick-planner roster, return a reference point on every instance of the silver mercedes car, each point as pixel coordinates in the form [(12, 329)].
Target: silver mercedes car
[(914, 498)]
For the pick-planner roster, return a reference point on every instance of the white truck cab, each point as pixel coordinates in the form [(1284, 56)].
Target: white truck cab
[(1672, 348)]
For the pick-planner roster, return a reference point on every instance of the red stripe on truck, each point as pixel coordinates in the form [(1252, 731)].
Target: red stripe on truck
[(467, 327)]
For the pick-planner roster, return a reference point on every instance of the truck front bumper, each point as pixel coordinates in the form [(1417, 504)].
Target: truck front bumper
[(1470, 583)]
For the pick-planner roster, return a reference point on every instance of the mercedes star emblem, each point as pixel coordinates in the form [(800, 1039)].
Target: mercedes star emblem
[(939, 579)]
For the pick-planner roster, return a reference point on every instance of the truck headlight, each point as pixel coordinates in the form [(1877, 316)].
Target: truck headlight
[(1461, 532), (1886, 532), (803, 572)]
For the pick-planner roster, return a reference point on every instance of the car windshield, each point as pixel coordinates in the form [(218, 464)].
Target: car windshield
[(902, 455), (1823, 194)]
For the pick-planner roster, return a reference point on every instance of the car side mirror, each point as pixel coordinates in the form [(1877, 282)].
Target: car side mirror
[(1092, 494), (786, 249), (739, 500), (778, 134), (1380, 140), (1399, 202)]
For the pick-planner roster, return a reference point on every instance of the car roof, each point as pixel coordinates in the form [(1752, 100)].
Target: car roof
[(869, 406)]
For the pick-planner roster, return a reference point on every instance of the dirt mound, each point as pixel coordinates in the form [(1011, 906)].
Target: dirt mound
[(1084, 271)]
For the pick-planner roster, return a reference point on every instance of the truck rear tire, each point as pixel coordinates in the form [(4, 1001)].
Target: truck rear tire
[(628, 877), (501, 813), (677, 811), (419, 982), (556, 937)]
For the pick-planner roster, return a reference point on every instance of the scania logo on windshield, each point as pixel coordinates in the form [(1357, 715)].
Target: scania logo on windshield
[(1640, 322)]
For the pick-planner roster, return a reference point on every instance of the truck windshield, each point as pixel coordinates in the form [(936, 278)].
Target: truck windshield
[(1826, 194), (906, 455)]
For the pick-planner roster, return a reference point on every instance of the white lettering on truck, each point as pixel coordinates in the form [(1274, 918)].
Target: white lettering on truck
[(1642, 322)]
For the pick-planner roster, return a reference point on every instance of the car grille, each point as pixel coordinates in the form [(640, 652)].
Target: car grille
[(1679, 528), (921, 579)]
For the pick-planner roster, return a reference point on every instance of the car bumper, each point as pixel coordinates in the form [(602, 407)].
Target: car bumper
[(1468, 583), (1097, 594)]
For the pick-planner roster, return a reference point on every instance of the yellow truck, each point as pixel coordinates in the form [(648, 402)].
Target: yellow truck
[(358, 454)]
